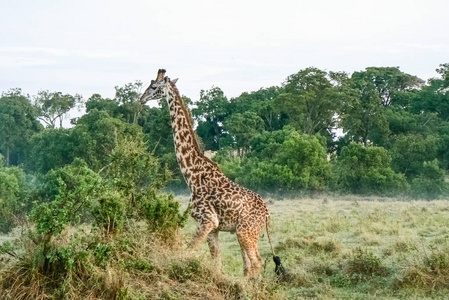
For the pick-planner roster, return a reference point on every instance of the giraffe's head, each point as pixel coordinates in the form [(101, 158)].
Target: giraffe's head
[(158, 88)]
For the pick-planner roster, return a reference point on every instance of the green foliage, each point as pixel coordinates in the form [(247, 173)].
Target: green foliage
[(17, 125), (211, 110), (304, 100), (388, 82), (131, 168), (429, 184), (162, 213), (66, 193), (362, 112), (109, 211), (96, 134), (15, 196), (50, 149), (409, 152), (366, 170), (243, 127), (263, 104), (283, 161), (53, 106), (363, 264)]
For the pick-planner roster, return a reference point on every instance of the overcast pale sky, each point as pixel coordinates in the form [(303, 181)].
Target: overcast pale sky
[(91, 46)]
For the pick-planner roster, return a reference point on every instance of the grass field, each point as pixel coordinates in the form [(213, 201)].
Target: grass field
[(332, 248), (353, 248)]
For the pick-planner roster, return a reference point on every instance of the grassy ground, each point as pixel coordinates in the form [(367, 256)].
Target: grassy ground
[(354, 248), (333, 248)]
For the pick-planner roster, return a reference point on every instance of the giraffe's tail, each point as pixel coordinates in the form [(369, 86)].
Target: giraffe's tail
[(279, 269)]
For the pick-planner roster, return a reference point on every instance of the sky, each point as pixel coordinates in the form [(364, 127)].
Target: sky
[(88, 47)]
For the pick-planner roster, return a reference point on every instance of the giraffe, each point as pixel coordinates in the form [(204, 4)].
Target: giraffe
[(218, 204)]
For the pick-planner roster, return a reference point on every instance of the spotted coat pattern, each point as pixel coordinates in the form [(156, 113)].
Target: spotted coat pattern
[(218, 204)]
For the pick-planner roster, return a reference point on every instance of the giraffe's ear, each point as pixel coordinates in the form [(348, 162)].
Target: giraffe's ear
[(175, 80)]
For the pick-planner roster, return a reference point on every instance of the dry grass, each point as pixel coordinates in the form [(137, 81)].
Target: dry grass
[(333, 248)]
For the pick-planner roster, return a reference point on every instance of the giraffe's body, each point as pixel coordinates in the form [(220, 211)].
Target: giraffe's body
[(218, 204)]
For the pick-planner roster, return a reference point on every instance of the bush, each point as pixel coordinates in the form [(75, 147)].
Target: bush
[(109, 211), (162, 213), (15, 196), (366, 170), (409, 152), (430, 183), (282, 161), (66, 194), (364, 264)]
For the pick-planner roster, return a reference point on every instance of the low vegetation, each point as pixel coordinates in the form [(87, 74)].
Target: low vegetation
[(332, 248)]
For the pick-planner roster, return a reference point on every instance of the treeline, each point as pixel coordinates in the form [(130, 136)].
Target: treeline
[(394, 134)]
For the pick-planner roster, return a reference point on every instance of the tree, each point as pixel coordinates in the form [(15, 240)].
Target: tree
[(128, 97), (367, 170), (409, 153), (210, 112), (262, 103), (53, 106), (307, 101), (388, 81), (434, 97), (429, 184), (15, 196), (125, 105), (96, 135), (363, 112), (17, 124), (403, 122), (243, 127), (103, 104), (50, 149), (281, 161)]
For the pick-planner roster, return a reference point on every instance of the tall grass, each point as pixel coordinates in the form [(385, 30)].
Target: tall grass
[(333, 248)]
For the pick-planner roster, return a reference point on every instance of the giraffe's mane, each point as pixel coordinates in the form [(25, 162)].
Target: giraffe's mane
[(194, 134)]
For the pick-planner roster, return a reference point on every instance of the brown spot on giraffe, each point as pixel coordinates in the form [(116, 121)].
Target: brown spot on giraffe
[(218, 204)]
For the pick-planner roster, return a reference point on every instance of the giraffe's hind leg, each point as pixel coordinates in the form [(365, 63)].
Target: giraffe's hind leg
[(212, 241), (252, 261)]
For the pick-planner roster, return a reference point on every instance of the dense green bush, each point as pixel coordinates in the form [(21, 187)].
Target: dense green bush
[(281, 161), (65, 196), (109, 211), (409, 152), (366, 170), (429, 184), (162, 213), (15, 196)]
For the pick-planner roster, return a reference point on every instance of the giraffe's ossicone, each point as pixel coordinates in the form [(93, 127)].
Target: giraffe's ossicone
[(218, 204)]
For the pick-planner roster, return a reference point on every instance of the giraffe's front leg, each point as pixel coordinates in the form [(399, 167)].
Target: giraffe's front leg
[(202, 232), (212, 241)]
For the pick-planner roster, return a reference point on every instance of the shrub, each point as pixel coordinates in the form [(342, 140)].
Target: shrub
[(162, 213), (364, 264), (15, 191), (430, 182), (65, 196), (109, 211), (283, 161), (409, 153), (366, 170), (183, 270)]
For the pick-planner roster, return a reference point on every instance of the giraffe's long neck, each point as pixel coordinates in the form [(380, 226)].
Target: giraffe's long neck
[(190, 158)]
